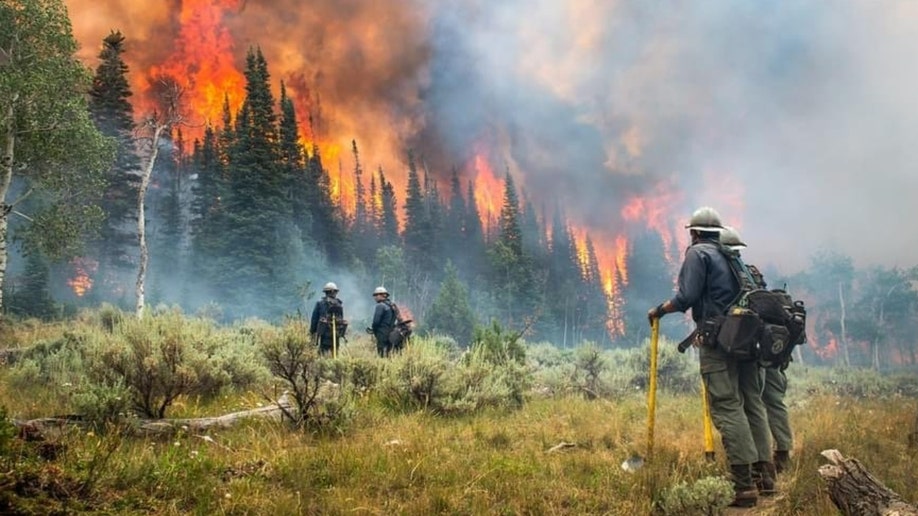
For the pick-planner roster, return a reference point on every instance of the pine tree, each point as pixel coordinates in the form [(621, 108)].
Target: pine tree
[(418, 238), (34, 299), (594, 300), (114, 116), (563, 285), (512, 269), (328, 230), (261, 256), (649, 282), (365, 239), (451, 312), (167, 250), (388, 206)]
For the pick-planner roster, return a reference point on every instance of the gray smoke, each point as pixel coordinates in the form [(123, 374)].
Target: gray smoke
[(795, 119)]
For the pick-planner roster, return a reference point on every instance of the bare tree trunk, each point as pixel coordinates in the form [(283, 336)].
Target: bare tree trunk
[(858, 493), (843, 341), (141, 218), (6, 179)]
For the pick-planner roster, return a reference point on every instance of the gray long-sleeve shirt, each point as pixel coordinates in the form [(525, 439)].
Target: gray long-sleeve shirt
[(706, 282)]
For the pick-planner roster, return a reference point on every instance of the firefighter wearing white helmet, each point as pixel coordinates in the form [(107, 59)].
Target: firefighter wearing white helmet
[(705, 218), (775, 383), (707, 287), (730, 237), (328, 325), (385, 317)]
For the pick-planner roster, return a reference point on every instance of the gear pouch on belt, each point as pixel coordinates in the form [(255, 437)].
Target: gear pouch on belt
[(739, 334), (773, 345)]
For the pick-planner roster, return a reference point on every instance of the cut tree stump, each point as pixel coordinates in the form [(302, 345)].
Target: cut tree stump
[(858, 493), (41, 428)]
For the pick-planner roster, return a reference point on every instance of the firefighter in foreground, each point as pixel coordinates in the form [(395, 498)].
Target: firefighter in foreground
[(708, 287), (775, 384), (328, 325)]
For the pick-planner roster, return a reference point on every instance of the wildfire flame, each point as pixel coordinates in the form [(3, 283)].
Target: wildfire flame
[(81, 282)]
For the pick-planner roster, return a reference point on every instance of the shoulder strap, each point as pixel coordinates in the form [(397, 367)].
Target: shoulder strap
[(740, 271)]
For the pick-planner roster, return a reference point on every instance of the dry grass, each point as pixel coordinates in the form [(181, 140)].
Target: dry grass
[(493, 463), (490, 462)]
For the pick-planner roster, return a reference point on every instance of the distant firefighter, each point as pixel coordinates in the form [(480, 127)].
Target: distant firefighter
[(328, 326), (389, 329)]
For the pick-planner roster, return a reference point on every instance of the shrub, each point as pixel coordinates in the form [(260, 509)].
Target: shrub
[(320, 403), (166, 355), (709, 495), (675, 371), (589, 366)]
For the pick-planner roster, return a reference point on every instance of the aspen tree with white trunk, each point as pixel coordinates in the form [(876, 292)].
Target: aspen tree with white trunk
[(51, 154)]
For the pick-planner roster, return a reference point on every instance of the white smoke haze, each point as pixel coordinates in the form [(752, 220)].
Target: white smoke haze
[(797, 120)]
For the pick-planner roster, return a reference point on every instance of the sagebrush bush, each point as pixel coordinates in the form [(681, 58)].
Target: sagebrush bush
[(675, 371), (707, 496), (166, 355), (316, 384)]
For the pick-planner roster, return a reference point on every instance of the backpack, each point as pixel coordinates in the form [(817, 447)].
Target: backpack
[(401, 328), (334, 310), (760, 324)]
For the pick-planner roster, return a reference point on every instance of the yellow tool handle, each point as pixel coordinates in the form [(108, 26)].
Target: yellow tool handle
[(652, 391), (708, 427)]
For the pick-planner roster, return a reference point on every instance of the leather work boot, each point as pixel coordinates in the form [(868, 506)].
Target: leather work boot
[(763, 473), (745, 493), (782, 460)]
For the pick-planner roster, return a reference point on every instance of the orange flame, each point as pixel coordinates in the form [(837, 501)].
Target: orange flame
[(82, 282), (655, 211), (201, 65), (489, 192)]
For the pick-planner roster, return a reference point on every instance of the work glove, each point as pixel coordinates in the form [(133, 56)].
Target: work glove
[(655, 313)]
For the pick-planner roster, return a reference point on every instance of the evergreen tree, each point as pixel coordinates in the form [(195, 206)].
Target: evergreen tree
[(363, 231), (328, 230), (261, 256), (113, 114), (451, 312), (208, 217), (293, 163), (512, 269), (419, 244), (34, 299), (388, 206), (563, 312), (649, 282), (594, 299), (167, 250)]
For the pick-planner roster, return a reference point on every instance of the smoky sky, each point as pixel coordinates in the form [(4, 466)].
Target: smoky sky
[(797, 120)]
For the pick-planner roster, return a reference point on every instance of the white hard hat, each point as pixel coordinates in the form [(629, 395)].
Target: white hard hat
[(380, 290), (330, 286), (730, 237), (705, 219)]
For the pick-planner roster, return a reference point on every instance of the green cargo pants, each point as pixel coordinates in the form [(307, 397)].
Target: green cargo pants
[(773, 397), (735, 397)]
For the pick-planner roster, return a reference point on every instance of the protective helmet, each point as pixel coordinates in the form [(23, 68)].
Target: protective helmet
[(330, 287), (730, 237), (380, 290), (705, 219)]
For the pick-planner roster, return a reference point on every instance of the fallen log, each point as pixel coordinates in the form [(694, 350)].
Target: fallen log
[(858, 493), (42, 428)]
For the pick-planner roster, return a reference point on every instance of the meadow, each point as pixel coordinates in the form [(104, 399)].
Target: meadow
[(505, 427)]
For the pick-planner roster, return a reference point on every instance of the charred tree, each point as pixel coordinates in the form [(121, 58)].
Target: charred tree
[(858, 493)]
